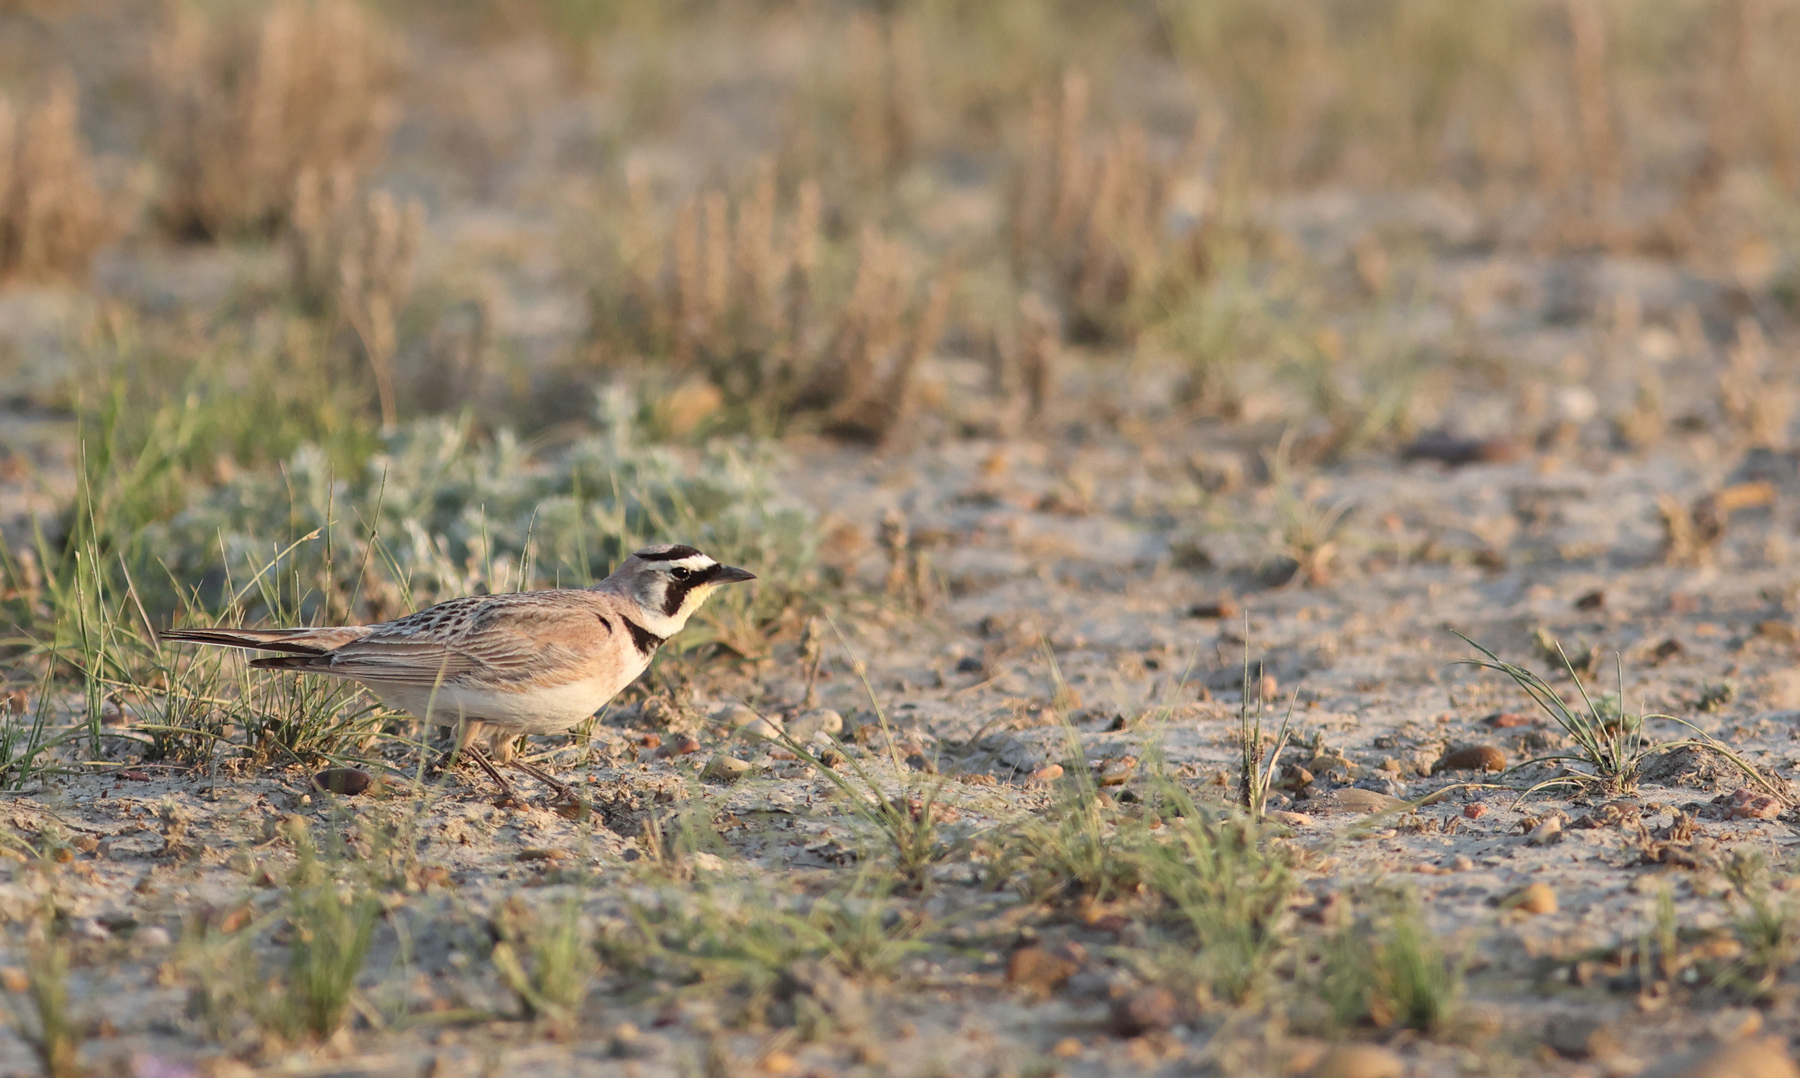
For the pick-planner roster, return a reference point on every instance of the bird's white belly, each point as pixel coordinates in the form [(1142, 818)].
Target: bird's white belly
[(539, 710)]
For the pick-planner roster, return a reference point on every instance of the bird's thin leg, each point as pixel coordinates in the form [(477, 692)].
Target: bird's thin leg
[(563, 789), (480, 757)]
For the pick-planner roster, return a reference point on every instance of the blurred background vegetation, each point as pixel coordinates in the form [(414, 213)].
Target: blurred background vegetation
[(234, 231)]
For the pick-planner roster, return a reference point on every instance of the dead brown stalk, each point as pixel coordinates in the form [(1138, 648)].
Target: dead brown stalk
[(1088, 224), (354, 257), (744, 303), (53, 216), (244, 108)]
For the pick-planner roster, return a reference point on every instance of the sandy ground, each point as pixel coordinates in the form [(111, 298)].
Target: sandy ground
[(1062, 549), (1139, 561)]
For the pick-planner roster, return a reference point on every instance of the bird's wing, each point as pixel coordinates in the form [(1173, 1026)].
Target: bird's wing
[(495, 641)]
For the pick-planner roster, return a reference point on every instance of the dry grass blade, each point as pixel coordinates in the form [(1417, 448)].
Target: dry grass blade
[(1256, 772)]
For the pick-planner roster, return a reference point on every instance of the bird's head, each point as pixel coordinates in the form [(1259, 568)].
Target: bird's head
[(669, 582)]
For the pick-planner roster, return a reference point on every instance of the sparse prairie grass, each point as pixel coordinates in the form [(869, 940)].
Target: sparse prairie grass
[(1091, 227), (547, 959), (1393, 92), (1303, 544), (1207, 879), (1765, 923), (351, 260), (1257, 756), (910, 823), (1224, 886), (754, 318), (247, 103), (329, 933), (1385, 968), (1611, 742), (355, 527), (42, 1011), (54, 215), (753, 945), (322, 928)]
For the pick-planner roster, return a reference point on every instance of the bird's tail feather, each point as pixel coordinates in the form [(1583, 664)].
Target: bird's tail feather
[(294, 641), (286, 662)]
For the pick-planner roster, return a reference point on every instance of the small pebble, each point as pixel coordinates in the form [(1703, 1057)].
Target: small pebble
[(1291, 819), (1219, 610), (1507, 720), (1580, 1037), (1455, 452), (1356, 799), (724, 769), (1144, 1011), (1045, 775), (1475, 810), (1295, 778), (87, 928), (734, 716), (347, 781), (1536, 898), (1359, 1061), (679, 745), (760, 729), (1546, 833), (152, 936), (1471, 758), (819, 721), (1461, 863), (1761, 1057), (1747, 804), (1117, 772), (1036, 968)]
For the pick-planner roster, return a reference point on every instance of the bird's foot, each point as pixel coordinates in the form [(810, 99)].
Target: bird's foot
[(564, 792)]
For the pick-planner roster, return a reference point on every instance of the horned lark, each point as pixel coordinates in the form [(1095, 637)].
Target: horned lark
[(531, 662)]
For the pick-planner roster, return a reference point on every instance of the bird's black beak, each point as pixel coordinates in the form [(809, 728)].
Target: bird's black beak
[(731, 574)]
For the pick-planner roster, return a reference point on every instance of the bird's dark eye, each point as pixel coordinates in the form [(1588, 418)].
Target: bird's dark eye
[(681, 572)]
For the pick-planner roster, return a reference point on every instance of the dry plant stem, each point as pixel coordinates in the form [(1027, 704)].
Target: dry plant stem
[(1254, 776)]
